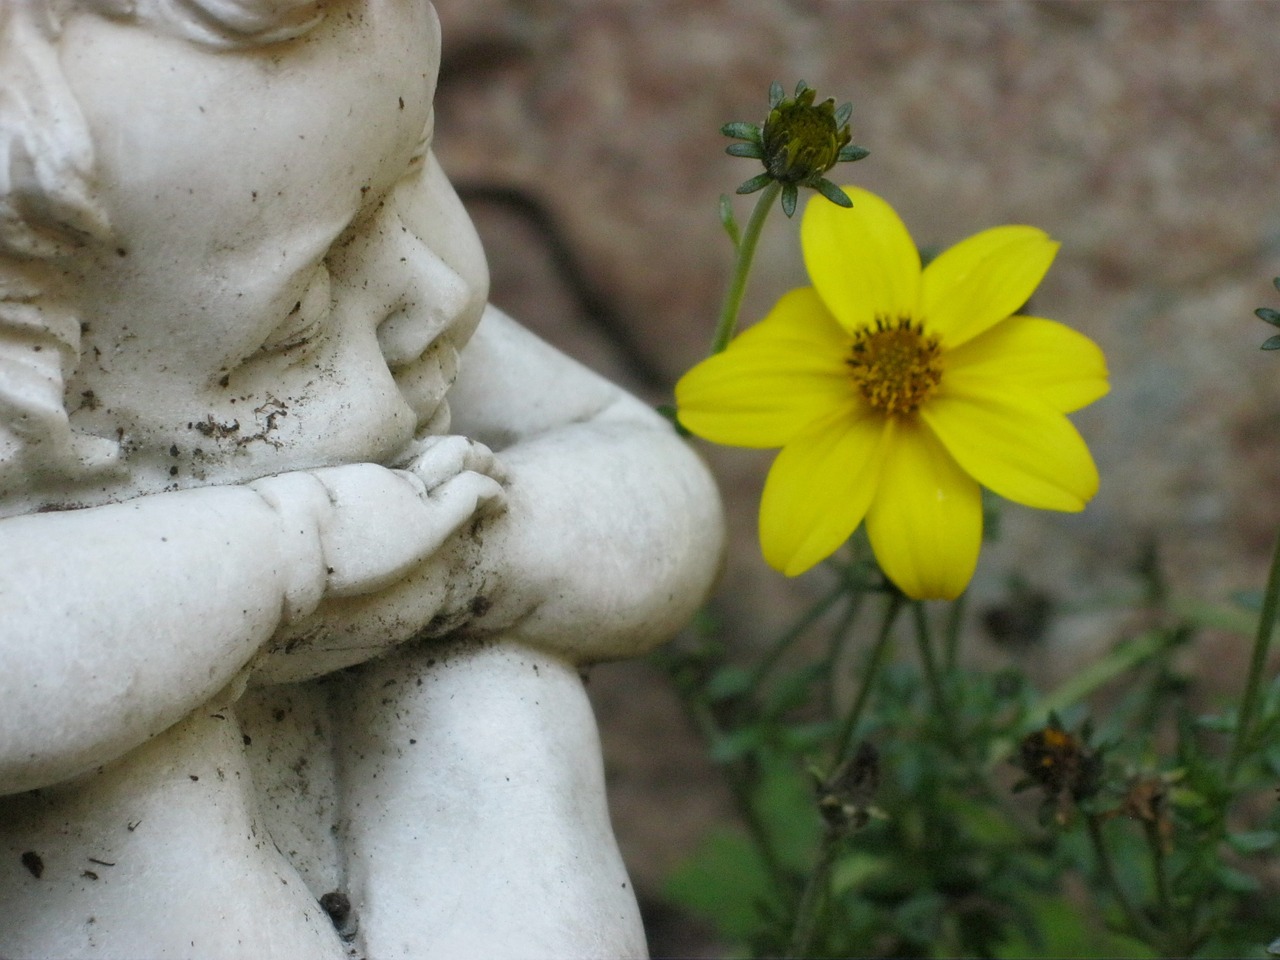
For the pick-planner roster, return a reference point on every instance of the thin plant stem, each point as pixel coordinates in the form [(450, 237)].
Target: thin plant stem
[(955, 623), (1159, 870), (806, 620), (839, 637), (1138, 925), (1257, 665), (931, 675), (875, 660), (746, 249), (811, 900)]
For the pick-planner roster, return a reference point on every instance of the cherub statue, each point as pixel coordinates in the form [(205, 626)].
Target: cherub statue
[(291, 621)]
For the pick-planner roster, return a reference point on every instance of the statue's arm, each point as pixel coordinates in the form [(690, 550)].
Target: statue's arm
[(116, 621), (613, 532)]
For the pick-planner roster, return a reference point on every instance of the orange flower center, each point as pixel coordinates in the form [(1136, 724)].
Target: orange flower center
[(895, 365)]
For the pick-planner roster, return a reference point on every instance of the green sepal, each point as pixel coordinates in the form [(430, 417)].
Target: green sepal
[(789, 196), (751, 151), (1276, 283), (776, 94), (833, 193), (1273, 343), (843, 113), (669, 412), (742, 131), (1270, 316), (850, 153), (758, 182)]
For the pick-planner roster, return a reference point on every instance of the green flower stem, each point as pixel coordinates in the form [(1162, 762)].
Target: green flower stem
[(931, 675), (1159, 870), (808, 619), (1124, 658), (1257, 665), (812, 898), (729, 310), (955, 623), (875, 660), (950, 727), (1138, 925), (839, 636)]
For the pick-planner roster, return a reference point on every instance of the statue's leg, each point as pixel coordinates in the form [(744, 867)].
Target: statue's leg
[(474, 816), (158, 854)]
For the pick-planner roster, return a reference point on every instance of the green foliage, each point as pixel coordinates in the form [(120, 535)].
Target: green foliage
[(1136, 834)]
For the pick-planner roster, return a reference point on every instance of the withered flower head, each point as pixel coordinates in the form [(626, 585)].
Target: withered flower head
[(1060, 763), (844, 797)]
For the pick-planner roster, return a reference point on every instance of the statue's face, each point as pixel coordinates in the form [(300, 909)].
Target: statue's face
[(290, 274)]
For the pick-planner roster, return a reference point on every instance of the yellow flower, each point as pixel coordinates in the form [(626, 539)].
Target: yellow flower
[(895, 393)]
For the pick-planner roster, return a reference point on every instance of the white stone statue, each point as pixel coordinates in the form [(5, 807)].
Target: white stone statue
[(235, 290)]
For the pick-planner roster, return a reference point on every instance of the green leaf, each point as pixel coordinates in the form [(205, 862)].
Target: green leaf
[(722, 882), (805, 737), (1061, 931), (1125, 657), (727, 683), (856, 869), (785, 802), (1250, 600), (984, 823), (1272, 757), (1253, 841), (736, 744), (793, 689), (729, 221), (1217, 722), (920, 916), (1236, 880)]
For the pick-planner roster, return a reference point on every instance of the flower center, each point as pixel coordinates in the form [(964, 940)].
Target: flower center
[(895, 365), (802, 141)]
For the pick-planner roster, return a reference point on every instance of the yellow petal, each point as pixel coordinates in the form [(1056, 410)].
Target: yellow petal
[(1014, 444), (982, 280), (1058, 365), (818, 490), (861, 259), (925, 524), (773, 381)]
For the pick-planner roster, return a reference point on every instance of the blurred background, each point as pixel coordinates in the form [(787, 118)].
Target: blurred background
[(1144, 135)]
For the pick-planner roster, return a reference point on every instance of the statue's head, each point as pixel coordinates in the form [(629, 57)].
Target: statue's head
[(222, 218)]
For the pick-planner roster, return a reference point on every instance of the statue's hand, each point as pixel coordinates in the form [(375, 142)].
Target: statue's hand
[(386, 522)]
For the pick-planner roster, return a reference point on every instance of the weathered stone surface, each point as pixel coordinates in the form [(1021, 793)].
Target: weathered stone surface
[(1142, 135)]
